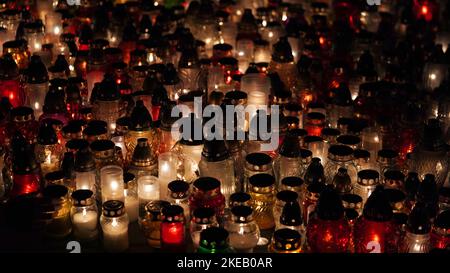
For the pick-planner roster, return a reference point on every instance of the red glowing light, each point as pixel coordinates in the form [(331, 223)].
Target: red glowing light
[(322, 40), (119, 81), (424, 10)]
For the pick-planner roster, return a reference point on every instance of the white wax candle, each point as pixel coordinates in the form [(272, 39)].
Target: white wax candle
[(243, 243), (167, 172), (115, 238), (85, 224), (132, 207)]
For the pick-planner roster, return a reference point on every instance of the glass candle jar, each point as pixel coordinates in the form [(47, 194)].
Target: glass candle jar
[(59, 225), (366, 183), (214, 240), (112, 188), (286, 241), (283, 63), (216, 162), (342, 182), (363, 160), (34, 34), (19, 52), (167, 166), (256, 163), (374, 232), (312, 195), (262, 192), (143, 161), (317, 146), (387, 160), (444, 199), (440, 233), (202, 218), (314, 123), (172, 229), (151, 223), (104, 153), (353, 202), (148, 190), (178, 194), (131, 196), (114, 222), (295, 184), (84, 215), (11, 86), (329, 231), (36, 85), (243, 230), (206, 193), (85, 171), (417, 238), (48, 149), (288, 162), (340, 156)]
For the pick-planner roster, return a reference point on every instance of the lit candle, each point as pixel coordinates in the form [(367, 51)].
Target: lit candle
[(148, 190), (85, 224), (114, 222), (167, 163), (119, 141), (112, 187)]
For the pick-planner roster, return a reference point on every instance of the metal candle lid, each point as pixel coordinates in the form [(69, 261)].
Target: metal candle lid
[(239, 199), (368, 177), (340, 153), (55, 178), (387, 156), (262, 183), (178, 189), (394, 179), (214, 238), (82, 198), (172, 213), (207, 184), (258, 162), (292, 183), (352, 201), (153, 209), (287, 196), (113, 208), (242, 214), (287, 239), (103, 148), (203, 216)]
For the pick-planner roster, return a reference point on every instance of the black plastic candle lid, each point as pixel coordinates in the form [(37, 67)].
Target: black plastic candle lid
[(172, 211), (55, 191), (340, 150), (239, 198), (228, 61), (395, 175), (77, 144), (236, 95), (348, 139), (352, 198), (54, 176), (290, 146), (241, 211), (222, 47), (97, 123), (203, 215), (36, 72), (178, 186), (261, 180), (213, 237), (215, 150), (102, 145), (113, 208), (286, 236), (94, 130), (298, 132), (84, 162), (287, 196), (315, 116), (258, 159), (368, 174), (292, 181), (387, 153), (81, 195), (360, 153), (47, 135), (140, 117), (72, 128), (206, 183), (311, 139), (330, 132), (21, 113)]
